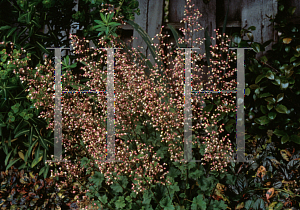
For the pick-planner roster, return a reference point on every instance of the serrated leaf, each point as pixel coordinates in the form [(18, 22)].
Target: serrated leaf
[(198, 203), (281, 109), (120, 203)]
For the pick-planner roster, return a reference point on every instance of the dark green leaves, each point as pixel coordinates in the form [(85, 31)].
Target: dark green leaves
[(97, 179), (198, 203), (281, 109)]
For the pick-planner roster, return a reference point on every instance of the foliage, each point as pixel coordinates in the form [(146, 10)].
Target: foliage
[(22, 141), (25, 28), (21, 189)]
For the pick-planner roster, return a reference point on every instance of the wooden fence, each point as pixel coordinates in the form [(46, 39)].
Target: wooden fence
[(242, 13)]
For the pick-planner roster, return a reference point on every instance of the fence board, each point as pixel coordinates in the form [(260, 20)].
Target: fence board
[(254, 14), (150, 19)]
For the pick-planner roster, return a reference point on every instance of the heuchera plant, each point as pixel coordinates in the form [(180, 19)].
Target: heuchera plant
[(149, 115)]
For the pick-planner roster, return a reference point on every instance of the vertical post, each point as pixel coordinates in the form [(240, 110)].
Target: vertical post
[(188, 108), (240, 117), (57, 107)]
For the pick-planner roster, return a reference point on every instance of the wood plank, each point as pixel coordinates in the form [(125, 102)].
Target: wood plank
[(154, 22), (141, 20), (254, 14), (230, 24)]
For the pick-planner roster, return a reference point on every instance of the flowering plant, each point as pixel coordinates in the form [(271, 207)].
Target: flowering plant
[(148, 122)]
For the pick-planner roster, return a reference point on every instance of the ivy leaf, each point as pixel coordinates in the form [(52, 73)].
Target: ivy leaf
[(281, 109), (103, 199), (120, 203), (166, 203), (147, 197), (173, 172), (116, 187), (198, 203), (97, 178)]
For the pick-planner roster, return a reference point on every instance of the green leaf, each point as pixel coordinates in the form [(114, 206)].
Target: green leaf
[(22, 132), (42, 48), (252, 28), (173, 172), (176, 36), (265, 95), (120, 203), (256, 47), (198, 203), (295, 139), (35, 161), (281, 109), (279, 132), (279, 206), (259, 78), (103, 199), (208, 108), (263, 109), (11, 163), (4, 27), (247, 91), (259, 204), (254, 86), (11, 31), (97, 179), (272, 115), (281, 7), (248, 204), (116, 187), (280, 97), (262, 120), (271, 100), (7, 157), (149, 43), (284, 139), (270, 75), (166, 203)]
